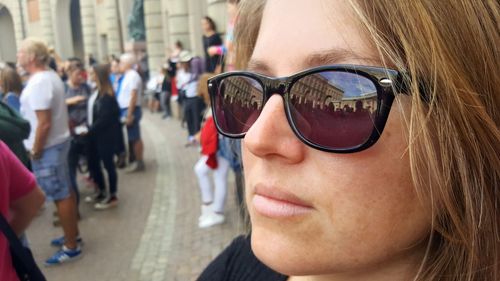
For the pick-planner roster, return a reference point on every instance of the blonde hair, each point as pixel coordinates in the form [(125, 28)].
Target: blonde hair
[(38, 49), (203, 86), (451, 53)]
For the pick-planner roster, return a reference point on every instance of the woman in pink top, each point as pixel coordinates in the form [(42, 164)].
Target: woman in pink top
[(20, 200)]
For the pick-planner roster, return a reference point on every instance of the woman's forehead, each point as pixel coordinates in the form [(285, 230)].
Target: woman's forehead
[(298, 34)]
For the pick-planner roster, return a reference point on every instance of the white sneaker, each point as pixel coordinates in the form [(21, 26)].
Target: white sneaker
[(211, 219), (136, 166), (205, 210), (131, 167), (107, 204)]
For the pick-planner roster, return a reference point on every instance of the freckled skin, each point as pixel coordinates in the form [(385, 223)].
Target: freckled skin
[(367, 218)]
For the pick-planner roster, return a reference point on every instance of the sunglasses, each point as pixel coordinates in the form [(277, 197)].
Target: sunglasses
[(336, 108)]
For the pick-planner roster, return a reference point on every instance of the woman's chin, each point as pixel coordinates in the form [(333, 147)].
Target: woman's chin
[(281, 253)]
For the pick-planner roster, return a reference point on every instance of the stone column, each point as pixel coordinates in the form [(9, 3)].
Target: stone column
[(197, 10), (114, 41), (178, 22), (125, 9), (89, 28), (216, 9), (46, 22), (61, 27), (166, 27), (154, 34), (17, 24)]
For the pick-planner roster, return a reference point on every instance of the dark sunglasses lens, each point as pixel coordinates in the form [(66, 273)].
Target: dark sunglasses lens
[(334, 109), (237, 104)]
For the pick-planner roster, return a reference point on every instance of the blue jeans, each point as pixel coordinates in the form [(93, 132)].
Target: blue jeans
[(76, 150), (52, 173), (231, 150), (134, 130)]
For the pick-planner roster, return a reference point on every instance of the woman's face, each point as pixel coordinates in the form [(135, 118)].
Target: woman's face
[(314, 212), (205, 25), (115, 67), (184, 65)]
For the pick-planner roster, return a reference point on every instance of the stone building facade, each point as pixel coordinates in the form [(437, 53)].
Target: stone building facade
[(76, 28)]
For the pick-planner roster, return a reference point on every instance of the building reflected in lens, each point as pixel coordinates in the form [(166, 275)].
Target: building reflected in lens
[(317, 92), (245, 91)]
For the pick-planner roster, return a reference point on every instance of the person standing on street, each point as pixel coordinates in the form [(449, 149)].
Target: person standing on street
[(211, 38), (77, 93), (213, 200), (129, 100), (103, 123), (43, 105), (187, 83)]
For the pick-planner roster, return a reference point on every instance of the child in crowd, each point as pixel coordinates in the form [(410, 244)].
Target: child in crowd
[(212, 208)]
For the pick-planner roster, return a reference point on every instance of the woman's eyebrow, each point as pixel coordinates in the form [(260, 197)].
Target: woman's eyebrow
[(258, 66), (317, 58), (336, 56)]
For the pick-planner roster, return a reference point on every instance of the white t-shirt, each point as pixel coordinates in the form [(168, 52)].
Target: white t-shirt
[(45, 91), (90, 107), (185, 82), (131, 81)]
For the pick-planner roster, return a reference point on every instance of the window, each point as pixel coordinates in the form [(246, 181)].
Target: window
[(33, 10)]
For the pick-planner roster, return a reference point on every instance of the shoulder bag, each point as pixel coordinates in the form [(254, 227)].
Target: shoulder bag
[(22, 258)]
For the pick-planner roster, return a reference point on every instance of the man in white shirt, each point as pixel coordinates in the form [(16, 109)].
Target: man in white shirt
[(43, 105), (129, 100)]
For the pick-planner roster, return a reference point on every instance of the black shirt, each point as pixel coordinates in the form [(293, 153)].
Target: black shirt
[(211, 62), (238, 263)]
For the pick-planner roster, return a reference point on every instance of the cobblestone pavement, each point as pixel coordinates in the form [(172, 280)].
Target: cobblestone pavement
[(153, 234)]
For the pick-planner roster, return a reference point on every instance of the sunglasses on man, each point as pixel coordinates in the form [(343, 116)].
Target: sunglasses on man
[(335, 108)]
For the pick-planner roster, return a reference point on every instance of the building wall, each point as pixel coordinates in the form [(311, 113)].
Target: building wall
[(61, 27), (8, 42), (13, 25), (104, 25), (154, 33), (89, 31)]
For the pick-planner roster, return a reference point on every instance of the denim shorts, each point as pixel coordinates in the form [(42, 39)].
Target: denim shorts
[(230, 149), (52, 172), (133, 131)]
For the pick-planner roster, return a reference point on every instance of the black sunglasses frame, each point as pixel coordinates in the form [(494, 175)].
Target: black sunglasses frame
[(388, 82)]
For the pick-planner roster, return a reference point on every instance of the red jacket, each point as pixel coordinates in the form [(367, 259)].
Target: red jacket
[(209, 142)]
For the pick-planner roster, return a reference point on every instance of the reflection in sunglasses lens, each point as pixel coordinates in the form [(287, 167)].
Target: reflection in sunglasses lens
[(334, 109), (239, 102)]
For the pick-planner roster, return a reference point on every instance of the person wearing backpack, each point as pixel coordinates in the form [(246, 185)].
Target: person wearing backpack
[(188, 72)]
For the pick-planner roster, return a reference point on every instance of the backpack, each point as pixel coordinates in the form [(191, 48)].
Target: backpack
[(197, 66)]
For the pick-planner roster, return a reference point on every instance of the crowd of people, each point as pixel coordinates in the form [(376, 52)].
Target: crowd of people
[(72, 121), (184, 77), (58, 120), (418, 117)]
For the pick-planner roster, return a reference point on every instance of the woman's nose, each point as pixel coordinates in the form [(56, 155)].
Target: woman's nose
[(272, 136)]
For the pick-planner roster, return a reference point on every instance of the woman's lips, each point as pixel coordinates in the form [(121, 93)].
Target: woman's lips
[(275, 203)]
